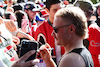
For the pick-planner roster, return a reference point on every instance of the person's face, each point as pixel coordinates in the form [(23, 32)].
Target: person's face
[(25, 17), (98, 11), (31, 14), (53, 9), (62, 34), (24, 24)]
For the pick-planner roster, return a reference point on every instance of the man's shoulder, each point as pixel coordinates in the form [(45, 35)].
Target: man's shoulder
[(70, 56), (42, 28), (44, 25), (72, 59)]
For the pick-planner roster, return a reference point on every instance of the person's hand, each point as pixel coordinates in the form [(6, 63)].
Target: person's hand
[(15, 40), (45, 53), (10, 25), (14, 46), (21, 62)]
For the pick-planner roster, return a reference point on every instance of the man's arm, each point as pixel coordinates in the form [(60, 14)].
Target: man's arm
[(50, 63), (46, 55), (24, 35), (14, 30)]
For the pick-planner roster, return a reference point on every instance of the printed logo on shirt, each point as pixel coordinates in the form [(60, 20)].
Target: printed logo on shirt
[(8, 51), (94, 44)]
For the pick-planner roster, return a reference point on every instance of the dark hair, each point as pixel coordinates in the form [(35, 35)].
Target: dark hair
[(51, 2), (7, 15), (18, 7), (19, 15), (19, 1), (96, 14)]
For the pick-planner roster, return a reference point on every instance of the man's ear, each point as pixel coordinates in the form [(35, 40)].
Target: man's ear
[(72, 28)]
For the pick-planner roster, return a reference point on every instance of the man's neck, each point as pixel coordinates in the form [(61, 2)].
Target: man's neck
[(76, 43), (51, 20)]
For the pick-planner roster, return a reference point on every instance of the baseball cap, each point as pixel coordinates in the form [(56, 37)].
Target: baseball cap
[(41, 4), (85, 5), (31, 6), (38, 7)]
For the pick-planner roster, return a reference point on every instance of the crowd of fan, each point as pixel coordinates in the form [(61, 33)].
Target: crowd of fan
[(27, 20)]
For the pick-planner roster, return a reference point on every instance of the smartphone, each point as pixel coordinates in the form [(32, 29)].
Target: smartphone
[(27, 45)]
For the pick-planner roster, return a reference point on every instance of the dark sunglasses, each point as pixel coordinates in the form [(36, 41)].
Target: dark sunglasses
[(56, 28)]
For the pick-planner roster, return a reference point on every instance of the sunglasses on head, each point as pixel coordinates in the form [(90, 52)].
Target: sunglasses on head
[(56, 28)]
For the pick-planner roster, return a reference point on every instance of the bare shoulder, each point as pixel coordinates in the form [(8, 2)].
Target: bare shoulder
[(72, 60)]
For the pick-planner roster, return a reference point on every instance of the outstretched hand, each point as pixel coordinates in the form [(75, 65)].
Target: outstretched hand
[(10, 25), (21, 62)]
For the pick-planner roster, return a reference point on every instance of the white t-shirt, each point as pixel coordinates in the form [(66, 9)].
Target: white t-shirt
[(7, 52)]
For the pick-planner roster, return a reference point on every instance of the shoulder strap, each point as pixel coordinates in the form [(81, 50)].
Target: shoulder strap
[(85, 55)]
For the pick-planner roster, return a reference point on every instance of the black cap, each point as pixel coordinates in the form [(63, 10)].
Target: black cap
[(31, 6)]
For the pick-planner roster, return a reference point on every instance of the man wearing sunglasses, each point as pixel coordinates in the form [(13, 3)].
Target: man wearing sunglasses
[(70, 28), (44, 30)]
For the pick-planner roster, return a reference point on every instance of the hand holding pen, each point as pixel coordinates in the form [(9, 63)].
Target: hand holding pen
[(45, 52)]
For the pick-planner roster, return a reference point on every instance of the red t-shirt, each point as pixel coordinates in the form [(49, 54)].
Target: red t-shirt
[(94, 43)]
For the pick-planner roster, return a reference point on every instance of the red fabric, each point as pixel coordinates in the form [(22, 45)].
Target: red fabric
[(94, 45), (31, 29), (46, 29), (44, 13)]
